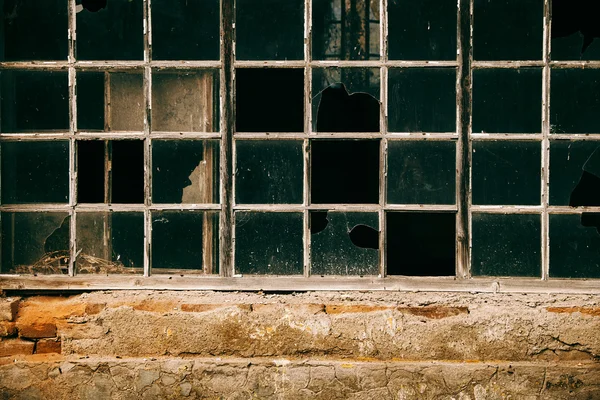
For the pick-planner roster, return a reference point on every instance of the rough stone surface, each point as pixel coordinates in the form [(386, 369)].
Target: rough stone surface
[(8, 308)]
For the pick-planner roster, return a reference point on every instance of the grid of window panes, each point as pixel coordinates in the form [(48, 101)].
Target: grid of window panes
[(367, 138)]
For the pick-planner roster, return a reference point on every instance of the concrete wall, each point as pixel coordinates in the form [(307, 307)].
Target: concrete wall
[(151, 344)]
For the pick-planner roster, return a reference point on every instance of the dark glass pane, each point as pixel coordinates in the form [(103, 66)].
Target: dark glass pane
[(34, 30), (269, 30), (269, 172), (185, 171), (345, 30), (421, 172), (184, 240), (422, 30), (508, 29), (114, 32), (575, 101), (344, 171), (91, 101), (185, 101), (575, 30), (507, 100), (506, 245), (268, 243), (575, 246), (269, 100), (422, 100), (35, 243), (344, 243), (574, 173), (346, 100), (421, 244), (110, 243), (185, 30), (34, 101), (91, 158), (506, 173), (35, 172), (127, 171)]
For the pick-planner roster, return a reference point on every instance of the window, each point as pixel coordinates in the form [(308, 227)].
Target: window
[(301, 144)]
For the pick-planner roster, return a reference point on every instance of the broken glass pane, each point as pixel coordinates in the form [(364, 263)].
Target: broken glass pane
[(110, 30), (33, 101), (344, 172), (506, 245), (185, 171), (422, 30), (269, 30), (506, 173), (422, 100), (268, 243), (574, 173), (575, 101), (269, 172), (269, 100), (34, 30), (110, 243), (421, 244), (185, 101), (344, 243), (575, 30), (35, 243), (185, 240), (110, 101), (422, 172), (507, 100), (185, 30), (575, 246), (35, 172), (346, 99), (344, 30), (508, 29)]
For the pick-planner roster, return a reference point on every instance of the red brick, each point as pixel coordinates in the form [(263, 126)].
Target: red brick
[(13, 347), (7, 329), (36, 331), (48, 346), (8, 308)]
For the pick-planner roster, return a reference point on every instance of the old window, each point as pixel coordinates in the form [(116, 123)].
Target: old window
[(299, 144)]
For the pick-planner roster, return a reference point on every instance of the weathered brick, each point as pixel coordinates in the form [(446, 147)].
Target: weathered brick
[(353, 308), (7, 329), (36, 331), (48, 346), (94, 308), (8, 308), (13, 347), (210, 307), (434, 312)]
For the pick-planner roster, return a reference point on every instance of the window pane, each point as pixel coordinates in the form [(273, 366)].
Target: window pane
[(344, 171), (507, 100), (345, 30), (421, 172), (185, 171), (506, 173), (35, 172), (344, 243), (575, 246), (422, 100), (575, 101), (185, 240), (421, 244), (269, 30), (35, 243), (574, 173), (34, 30), (185, 30), (346, 100), (508, 29), (269, 100), (34, 101), (269, 172), (185, 101), (110, 243), (114, 32), (506, 245), (268, 243), (422, 30), (574, 29)]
